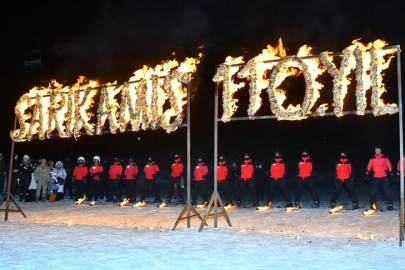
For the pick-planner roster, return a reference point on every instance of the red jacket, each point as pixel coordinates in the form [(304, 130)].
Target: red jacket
[(277, 169), (343, 170), (96, 170), (305, 167), (115, 171), (150, 170), (246, 170), (222, 171), (380, 164), (177, 168), (399, 167), (200, 172), (131, 171), (80, 172)]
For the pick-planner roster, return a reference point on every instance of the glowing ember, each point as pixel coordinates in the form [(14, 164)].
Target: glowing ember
[(162, 205), (360, 237), (336, 209), (124, 202), (201, 206), (264, 208), (92, 203), (139, 204), (290, 209), (79, 201), (231, 207), (370, 211)]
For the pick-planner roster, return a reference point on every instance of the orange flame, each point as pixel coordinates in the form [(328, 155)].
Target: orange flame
[(139, 204), (370, 211), (79, 201), (201, 206), (124, 202), (336, 209)]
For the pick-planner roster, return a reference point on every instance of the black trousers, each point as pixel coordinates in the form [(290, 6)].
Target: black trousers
[(385, 183), (130, 188), (150, 184), (114, 186), (349, 185), (68, 186), (250, 183), (13, 186), (197, 186), (175, 181), (279, 183), (94, 190), (224, 184), (79, 191), (311, 188)]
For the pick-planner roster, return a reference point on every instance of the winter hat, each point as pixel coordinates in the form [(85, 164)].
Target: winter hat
[(343, 154), (26, 156), (59, 162)]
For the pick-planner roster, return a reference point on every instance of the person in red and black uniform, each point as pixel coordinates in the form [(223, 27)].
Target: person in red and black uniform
[(200, 181), (95, 172), (130, 178), (175, 179), (305, 176), (381, 166), (344, 177), (79, 177), (247, 179), (114, 178), (223, 180), (278, 174), (151, 171)]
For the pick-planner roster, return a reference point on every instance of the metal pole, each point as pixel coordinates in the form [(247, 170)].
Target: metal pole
[(10, 169), (401, 149), (216, 153), (188, 157)]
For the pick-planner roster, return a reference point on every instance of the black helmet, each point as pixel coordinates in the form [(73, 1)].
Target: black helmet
[(150, 160), (176, 155), (343, 154), (277, 154)]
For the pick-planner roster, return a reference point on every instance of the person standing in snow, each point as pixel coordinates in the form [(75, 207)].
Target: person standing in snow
[(60, 177), (42, 176), (177, 171), (305, 176), (382, 168), (277, 178), (130, 178), (15, 174), (114, 179), (25, 171), (69, 173), (247, 174), (151, 171), (96, 170), (79, 177), (344, 177), (200, 181), (223, 179)]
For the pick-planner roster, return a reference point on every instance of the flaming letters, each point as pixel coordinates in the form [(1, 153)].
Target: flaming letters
[(369, 61), (68, 109)]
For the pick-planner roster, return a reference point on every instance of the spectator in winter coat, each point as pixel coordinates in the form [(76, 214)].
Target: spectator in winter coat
[(382, 168), (79, 177), (151, 171), (53, 185), (305, 176), (25, 176), (344, 177), (130, 178), (247, 175), (177, 171), (69, 174), (42, 176), (15, 174), (61, 177)]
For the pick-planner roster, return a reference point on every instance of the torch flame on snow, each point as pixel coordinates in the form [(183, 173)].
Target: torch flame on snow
[(231, 207), (124, 202), (290, 209), (360, 237), (92, 203), (370, 211), (162, 205), (139, 204), (335, 209), (264, 208), (201, 206), (79, 201)]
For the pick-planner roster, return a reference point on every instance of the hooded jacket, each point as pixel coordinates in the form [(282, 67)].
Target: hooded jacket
[(247, 170), (131, 171), (305, 167), (200, 172), (222, 171), (115, 171), (381, 166), (177, 168), (150, 170), (96, 170), (343, 169), (80, 172)]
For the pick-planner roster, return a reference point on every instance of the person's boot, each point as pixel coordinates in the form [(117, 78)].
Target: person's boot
[(297, 204), (21, 197), (289, 204), (332, 205), (36, 199), (315, 204), (43, 199), (356, 206), (256, 204), (390, 207)]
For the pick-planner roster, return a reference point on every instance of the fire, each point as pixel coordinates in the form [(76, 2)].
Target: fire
[(66, 108), (201, 206), (360, 237), (370, 211), (79, 201), (335, 209), (139, 204), (231, 207), (264, 208), (124, 202), (162, 205), (92, 203), (290, 209)]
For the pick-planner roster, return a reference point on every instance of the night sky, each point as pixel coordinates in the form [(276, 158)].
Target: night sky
[(109, 40)]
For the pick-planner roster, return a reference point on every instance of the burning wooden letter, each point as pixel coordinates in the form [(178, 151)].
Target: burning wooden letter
[(39, 118), (57, 111), (107, 108), (20, 135), (83, 101)]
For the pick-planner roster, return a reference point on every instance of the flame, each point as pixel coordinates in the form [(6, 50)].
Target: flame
[(290, 209), (201, 206), (230, 207), (264, 208), (139, 204), (92, 203), (336, 209), (370, 211), (124, 202), (360, 237), (162, 205), (79, 201)]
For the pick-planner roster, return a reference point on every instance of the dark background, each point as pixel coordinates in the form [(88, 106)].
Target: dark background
[(109, 40)]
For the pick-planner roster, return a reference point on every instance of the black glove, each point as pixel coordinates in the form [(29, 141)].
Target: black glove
[(92, 175), (134, 176), (59, 179), (365, 178), (118, 176)]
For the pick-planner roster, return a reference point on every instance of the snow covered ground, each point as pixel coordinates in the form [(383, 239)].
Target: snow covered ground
[(65, 236)]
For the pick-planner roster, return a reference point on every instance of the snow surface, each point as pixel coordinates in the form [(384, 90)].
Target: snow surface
[(65, 236)]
